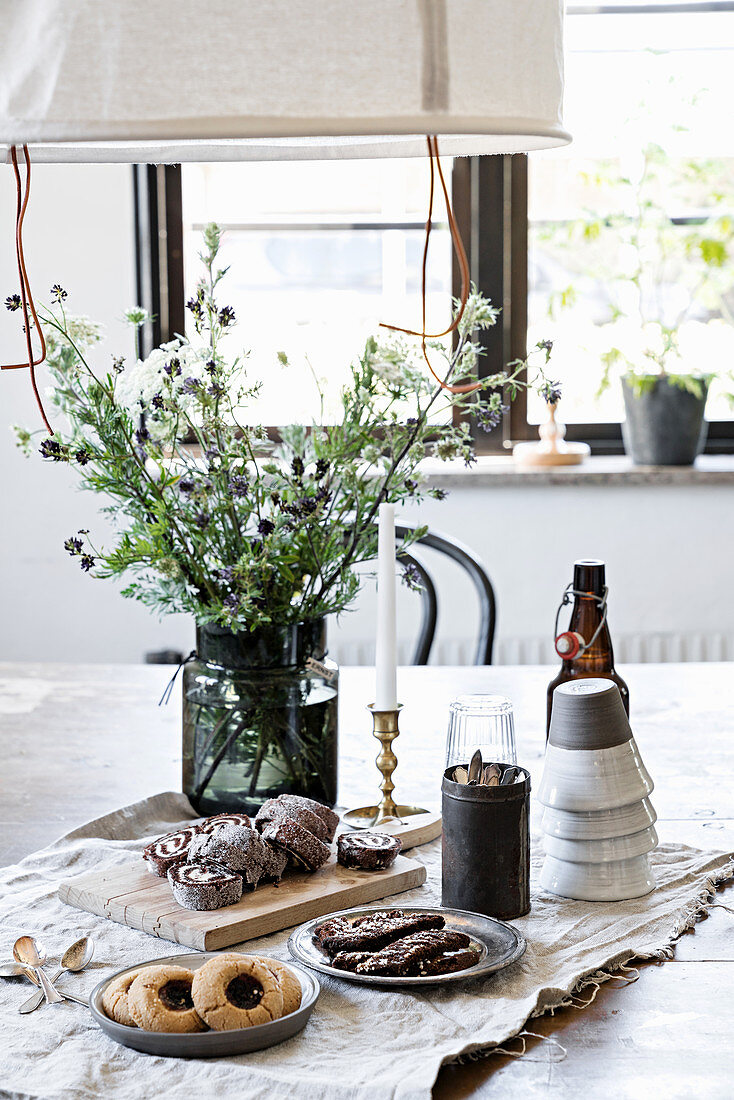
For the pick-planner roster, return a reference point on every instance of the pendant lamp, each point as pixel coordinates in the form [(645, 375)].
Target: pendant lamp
[(171, 81)]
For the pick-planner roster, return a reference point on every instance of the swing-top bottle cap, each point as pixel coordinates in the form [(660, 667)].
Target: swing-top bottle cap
[(589, 575)]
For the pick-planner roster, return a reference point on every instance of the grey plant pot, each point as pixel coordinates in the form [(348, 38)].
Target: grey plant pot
[(664, 426)]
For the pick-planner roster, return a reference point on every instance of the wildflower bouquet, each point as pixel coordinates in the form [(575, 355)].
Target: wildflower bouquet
[(211, 516)]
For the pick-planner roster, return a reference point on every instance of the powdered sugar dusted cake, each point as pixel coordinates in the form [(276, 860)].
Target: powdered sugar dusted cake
[(204, 885)]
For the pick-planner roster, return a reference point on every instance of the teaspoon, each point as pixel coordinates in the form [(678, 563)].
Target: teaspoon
[(75, 958), (27, 952)]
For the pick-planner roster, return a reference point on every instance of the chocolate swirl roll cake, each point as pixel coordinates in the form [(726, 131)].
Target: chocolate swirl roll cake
[(275, 810), (204, 885), (235, 847), (329, 818), (169, 850), (367, 851), (302, 846), (211, 824), (274, 864)]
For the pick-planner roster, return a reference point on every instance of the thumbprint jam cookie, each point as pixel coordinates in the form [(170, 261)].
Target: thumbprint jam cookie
[(290, 986), (160, 999), (233, 991), (114, 1000)]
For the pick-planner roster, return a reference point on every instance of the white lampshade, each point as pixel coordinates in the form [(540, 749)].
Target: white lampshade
[(185, 80)]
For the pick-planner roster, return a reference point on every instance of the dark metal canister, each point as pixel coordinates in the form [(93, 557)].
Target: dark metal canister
[(486, 847)]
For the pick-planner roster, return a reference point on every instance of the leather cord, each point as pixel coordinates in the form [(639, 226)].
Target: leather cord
[(26, 295), (435, 168)]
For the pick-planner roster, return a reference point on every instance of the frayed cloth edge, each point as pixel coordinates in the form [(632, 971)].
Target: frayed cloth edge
[(685, 919)]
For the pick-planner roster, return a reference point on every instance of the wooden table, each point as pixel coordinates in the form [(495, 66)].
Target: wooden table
[(78, 741)]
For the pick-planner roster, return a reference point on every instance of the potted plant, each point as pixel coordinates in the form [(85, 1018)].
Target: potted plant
[(666, 282), (258, 540)]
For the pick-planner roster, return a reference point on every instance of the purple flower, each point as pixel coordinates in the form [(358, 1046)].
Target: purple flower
[(412, 578), (322, 468), (232, 601), (265, 527), (186, 485), (58, 293), (51, 448), (238, 485), (210, 367), (82, 456), (191, 385), (87, 562), (550, 392), (12, 302), (73, 546), (297, 467), (142, 434), (196, 305), (226, 316), (226, 574), (173, 367), (158, 402), (202, 520), (216, 389)]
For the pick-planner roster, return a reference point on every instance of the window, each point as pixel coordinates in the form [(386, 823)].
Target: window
[(327, 251), (322, 252), (631, 228)]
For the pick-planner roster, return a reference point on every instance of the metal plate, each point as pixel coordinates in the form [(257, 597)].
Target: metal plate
[(205, 1044), (498, 945)]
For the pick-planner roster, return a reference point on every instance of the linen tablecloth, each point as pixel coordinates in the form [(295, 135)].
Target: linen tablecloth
[(360, 1042)]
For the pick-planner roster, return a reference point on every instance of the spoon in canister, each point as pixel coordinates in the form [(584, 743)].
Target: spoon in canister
[(29, 953), (475, 767), (75, 958)]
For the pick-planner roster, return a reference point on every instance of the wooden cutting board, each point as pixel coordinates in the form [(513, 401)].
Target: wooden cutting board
[(133, 896)]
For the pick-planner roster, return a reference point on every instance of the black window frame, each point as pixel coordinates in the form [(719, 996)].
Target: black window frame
[(490, 199)]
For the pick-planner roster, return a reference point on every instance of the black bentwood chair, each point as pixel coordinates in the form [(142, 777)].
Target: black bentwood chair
[(463, 556)]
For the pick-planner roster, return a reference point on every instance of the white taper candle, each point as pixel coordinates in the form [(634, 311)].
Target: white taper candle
[(386, 693)]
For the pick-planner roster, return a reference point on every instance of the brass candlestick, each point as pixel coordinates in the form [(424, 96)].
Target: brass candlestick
[(385, 729)]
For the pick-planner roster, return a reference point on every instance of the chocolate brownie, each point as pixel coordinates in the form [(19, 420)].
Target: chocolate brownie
[(375, 932), (235, 847), (404, 956), (303, 846), (169, 850), (204, 885), (275, 810), (329, 818), (449, 962), (367, 851), (211, 824)]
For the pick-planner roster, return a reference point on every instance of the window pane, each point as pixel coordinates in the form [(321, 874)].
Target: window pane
[(320, 253), (648, 102)]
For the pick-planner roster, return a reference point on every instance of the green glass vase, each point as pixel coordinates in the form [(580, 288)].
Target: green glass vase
[(259, 717)]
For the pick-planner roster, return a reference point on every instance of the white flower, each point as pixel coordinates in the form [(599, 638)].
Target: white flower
[(168, 373)]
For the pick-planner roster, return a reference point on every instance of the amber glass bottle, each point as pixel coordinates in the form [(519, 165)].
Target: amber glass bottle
[(598, 659)]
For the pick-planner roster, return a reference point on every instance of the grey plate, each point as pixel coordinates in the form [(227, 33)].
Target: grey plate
[(498, 945), (205, 1044)]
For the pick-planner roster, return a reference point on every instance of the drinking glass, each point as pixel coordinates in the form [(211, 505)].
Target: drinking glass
[(483, 722)]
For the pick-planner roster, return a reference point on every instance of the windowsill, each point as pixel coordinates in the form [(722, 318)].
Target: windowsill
[(493, 471)]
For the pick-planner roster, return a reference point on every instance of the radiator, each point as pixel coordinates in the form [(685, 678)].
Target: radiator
[(628, 649)]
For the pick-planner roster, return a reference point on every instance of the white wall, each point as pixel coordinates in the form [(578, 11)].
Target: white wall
[(668, 548), (79, 233)]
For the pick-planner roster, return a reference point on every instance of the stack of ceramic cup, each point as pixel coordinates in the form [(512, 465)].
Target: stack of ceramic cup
[(598, 821)]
